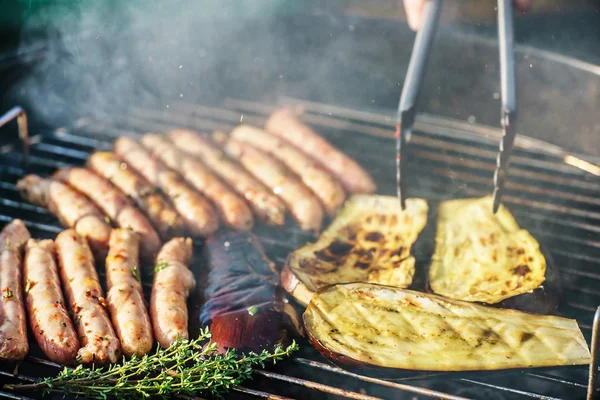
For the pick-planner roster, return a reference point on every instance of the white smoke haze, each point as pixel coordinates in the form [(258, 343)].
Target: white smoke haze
[(107, 55)]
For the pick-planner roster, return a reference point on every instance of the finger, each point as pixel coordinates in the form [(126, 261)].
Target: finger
[(523, 5), (414, 9)]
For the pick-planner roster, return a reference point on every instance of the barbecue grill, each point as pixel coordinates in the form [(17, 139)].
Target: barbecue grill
[(553, 192)]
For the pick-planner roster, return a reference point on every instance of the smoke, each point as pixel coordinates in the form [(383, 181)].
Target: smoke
[(105, 56)]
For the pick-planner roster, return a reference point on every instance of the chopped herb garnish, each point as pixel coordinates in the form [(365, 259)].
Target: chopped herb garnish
[(28, 286), (8, 242), (9, 294), (160, 266), (64, 324), (107, 219), (252, 310), (135, 272)]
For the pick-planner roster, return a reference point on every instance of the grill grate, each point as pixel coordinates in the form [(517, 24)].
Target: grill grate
[(554, 200)]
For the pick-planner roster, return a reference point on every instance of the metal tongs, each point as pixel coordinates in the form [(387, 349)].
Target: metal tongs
[(412, 85)]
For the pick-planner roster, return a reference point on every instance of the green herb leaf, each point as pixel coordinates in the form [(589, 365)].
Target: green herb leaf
[(9, 294), (135, 272), (8, 242), (252, 310), (107, 219), (28, 285), (160, 266)]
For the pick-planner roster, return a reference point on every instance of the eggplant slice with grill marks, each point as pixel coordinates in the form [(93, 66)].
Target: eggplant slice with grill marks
[(485, 257), (245, 308), (364, 325), (369, 241)]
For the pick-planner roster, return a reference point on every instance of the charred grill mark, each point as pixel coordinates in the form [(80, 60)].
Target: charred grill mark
[(339, 248), (325, 255), (362, 265), (526, 337), (489, 336), (522, 270), (374, 237)]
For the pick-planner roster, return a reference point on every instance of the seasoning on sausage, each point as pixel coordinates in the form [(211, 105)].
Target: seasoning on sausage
[(114, 203), (173, 282), (13, 328), (265, 205), (148, 198), (233, 210), (199, 216), (99, 342), (73, 209), (301, 202), (125, 296), (326, 187), (48, 315), (286, 125)]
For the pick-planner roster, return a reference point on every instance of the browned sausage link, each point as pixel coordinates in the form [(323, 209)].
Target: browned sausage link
[(13, 327), (267, 206), (125, 297), (173, 282), (232, 209), (322, 183), (99, 342), (48, 316), (71, 208), (199, 216), (164, 217), (286, 125), (114, 203), (301, 202)]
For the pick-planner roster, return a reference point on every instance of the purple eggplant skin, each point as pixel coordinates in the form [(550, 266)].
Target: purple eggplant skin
[(244, 306)]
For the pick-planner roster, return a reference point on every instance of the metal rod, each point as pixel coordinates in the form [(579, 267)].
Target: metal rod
[(593, 375), (18, 113), (382, 382), (509, 98), (317, 386), (412, 87)]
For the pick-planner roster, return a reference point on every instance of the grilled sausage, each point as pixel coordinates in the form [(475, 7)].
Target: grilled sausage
[(125, 296), (99, 342), (198, 214), (13, 327), (114, 203), (322, 183), (301, 202), (173, 282), (232, 209), (70, 207), (286, 125), (148, 198), (267, 206), (48, 316)]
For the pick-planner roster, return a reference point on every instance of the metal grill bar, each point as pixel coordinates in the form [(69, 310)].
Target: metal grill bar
[(318, 386)]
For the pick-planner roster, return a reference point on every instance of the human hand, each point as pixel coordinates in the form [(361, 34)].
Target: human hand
[(414, 9)]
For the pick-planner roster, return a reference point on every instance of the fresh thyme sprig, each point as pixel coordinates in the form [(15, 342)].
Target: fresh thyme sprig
[(186, 368)]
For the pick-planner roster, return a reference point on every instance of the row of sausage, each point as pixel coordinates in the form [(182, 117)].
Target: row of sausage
[(186, 182), (83, 325)]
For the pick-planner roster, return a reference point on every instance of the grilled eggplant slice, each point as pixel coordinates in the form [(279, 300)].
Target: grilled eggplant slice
[(366, 325), (481, 256), (245, 308), (369, 241)]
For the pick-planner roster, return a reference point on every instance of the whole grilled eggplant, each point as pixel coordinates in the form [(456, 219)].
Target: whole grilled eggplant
[(245, 308)]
